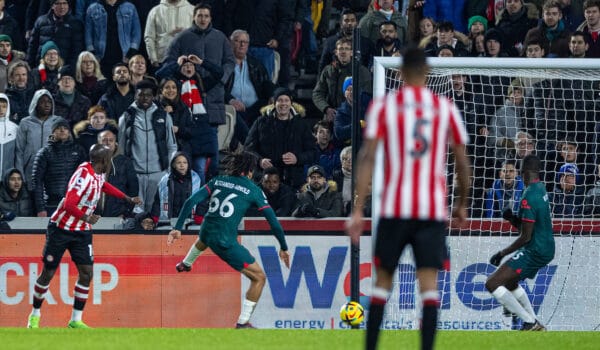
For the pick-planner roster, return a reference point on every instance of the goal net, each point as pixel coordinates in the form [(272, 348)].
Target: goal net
[(511, 108)]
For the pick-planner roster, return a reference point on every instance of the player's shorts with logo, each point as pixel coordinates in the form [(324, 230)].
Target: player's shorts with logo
[(78, 243), (527, 262), (427, 238), (228, 249)]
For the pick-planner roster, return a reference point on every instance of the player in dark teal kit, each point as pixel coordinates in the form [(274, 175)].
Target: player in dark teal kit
[(533, 249), (230, 196)]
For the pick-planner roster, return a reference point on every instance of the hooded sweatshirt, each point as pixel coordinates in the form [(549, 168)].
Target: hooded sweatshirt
[(8, 137), (32, 135), (22, 204)]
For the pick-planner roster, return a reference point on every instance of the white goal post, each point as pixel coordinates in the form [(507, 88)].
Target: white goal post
[(557, 116)]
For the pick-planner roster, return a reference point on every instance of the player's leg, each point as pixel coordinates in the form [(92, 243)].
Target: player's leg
[(81, 292), (195, 251), (391, 239), (496, 284), (431, 255), (54, 248), (82, 255), (430, 299), (257, 282)]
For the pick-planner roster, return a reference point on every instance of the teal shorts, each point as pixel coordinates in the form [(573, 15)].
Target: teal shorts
[(527, 263), (230, 251)]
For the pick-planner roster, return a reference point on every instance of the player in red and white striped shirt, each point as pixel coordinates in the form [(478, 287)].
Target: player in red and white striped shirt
[(414, 126), (69, 229)]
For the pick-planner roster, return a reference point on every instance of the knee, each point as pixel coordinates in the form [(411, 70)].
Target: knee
[(261, 278)]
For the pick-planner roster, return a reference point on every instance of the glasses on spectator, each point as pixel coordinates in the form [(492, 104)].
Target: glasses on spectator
[(346, 159), (344, 49), (244, 42), (87, 62)]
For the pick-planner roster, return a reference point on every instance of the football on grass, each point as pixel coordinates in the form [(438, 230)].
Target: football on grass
[(352, 313)]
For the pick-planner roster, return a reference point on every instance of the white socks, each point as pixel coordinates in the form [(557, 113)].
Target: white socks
[(192, 255), (507, 299), (36, 312), (247, 310), (522, 298), (76, 315)]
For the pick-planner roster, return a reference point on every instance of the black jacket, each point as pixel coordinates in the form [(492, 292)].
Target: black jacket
[(114, 103), (19, 102), (93, 90), (67, 33), (52, 168), (125, 179), (22, 205), (74, 113), (262, 19), (270, 138)]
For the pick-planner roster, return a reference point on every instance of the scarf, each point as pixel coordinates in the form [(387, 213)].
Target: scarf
[(552, 34), (190, 95), (42, 70)]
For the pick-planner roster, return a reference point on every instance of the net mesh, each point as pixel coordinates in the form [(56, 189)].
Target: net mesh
[(510, 112)]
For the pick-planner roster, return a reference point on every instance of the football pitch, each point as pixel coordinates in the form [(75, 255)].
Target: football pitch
[(181, 339)]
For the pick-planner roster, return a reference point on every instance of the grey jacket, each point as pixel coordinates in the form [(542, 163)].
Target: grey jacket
[(144, 149), (32, 135)]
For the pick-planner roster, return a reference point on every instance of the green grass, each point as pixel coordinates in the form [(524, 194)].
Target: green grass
[(181, 339)]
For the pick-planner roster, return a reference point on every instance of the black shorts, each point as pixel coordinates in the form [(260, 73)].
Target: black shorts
[(79, 244), (427, 238)]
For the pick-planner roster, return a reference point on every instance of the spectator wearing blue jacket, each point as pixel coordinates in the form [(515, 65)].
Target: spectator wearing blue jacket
[(112, 32), (505, 193)]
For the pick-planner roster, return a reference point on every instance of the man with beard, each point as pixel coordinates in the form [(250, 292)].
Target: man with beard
[(120, 96), (319, 200), (388, 43), (7, 55), (348, 22), (281, 197), (506, 191)]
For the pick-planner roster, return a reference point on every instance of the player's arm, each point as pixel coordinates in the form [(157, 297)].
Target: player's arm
[(115, 192), (277, 230), (509, 216), (189, 204), (463, 173), (365, 161), (524, 237)]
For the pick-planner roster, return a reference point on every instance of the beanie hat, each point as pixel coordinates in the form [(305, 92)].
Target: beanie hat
[(315, 169), (4, 37), (66, 71), (493, 34), (347, 83), (479, 19), (281, 91), (48, 45), (515, 84), (60, 122)]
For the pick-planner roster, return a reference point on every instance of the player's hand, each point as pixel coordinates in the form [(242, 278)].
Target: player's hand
[(173, 235), (496, 258), (284, 255), (354, 226), (508, 215), (92, 219), (459, 213), (134, 200)]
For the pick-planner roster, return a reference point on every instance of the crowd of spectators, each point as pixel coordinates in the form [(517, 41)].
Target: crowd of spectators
[(156, 81)]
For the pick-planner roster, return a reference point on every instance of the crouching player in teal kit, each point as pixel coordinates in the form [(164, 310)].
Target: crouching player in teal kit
[(533, 249), (230, 196)]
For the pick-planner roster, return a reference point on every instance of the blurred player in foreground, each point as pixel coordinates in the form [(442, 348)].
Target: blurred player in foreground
[(415, 127), (534, 248), (70, 229), (230, 196)]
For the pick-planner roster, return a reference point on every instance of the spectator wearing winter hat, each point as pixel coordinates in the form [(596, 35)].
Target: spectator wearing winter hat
[(493, 42), (53, 166), (567, 197), (60, 27), (281, 138), (477, 25), (45, 75), (7, 55), (69, 103), (34, 131), (342, 124), (320, 198)]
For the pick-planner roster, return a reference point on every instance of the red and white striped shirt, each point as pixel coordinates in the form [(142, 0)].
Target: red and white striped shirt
[(414, 125), (83, 192)]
